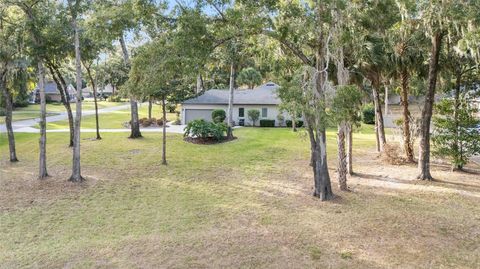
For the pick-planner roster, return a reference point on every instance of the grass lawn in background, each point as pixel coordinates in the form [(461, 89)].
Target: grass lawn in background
[(245, 203)]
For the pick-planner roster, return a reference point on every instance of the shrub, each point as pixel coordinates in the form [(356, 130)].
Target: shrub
[(280, 119), (203, 129), (218, 115), (298, 123), (253, 115), (368, 114), (114, 98), (391, 154), (267, 123), (160, 122), (171, 107), (144, 122)]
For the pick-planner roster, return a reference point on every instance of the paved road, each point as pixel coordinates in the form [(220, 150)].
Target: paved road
[(26, 126)]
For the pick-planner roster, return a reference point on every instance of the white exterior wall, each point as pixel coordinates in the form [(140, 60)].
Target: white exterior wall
[(272, 112)]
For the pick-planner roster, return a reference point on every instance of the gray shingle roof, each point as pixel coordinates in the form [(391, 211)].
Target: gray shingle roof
[(265, 94)]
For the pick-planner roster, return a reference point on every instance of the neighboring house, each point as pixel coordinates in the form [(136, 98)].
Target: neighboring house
[(52, 93), (263, 98)]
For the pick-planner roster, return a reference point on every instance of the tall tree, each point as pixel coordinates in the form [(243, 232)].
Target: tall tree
[(306, 31), (114, 19), (152, 59), (74, 7), (11, 35), (440, 19)]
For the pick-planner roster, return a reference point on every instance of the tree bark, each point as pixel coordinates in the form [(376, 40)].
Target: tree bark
[(94, 89), (378, 113), (64, 95), (43, 124), (76, 168), (150, 108), (199, 84), (349, 149), (164, 138), (377, 137), (342, 162), (407, 140), (386, 100), (424, 146), (456, 144), (8, 116), (230, 101), (134, 122)]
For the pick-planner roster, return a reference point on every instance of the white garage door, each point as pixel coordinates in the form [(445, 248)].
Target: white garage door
[(194, 114)]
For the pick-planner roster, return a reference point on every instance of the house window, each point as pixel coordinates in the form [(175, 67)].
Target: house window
[(241, 112), (264, 112)]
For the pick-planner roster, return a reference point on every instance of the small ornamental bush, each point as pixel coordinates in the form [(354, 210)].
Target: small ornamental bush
[(267, 123), (218, 115), (368, 114), (298, 123), (114, 98), (204, 129), (160, 122), (253, 115)]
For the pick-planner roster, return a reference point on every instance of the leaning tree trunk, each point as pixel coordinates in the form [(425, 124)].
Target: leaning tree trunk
[(379, 117), (342, 162), (134, 121), (43, 124), (8, 116), (164, 138), (407, 140), (230, 101), (64, 96), (94, 88), (76, 169), (349, 148), (424, 146)]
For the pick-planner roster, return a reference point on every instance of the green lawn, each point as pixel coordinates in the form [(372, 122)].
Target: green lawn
[(58, 107), (243, 204), (24, 115), (114, 119)]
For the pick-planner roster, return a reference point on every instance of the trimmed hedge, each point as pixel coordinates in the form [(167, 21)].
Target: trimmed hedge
[(218, 115), (368, 114), (205, 129), (267, 123), (298, 123)]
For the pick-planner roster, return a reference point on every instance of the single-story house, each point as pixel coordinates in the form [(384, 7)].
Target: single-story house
[(263, 98), (52, 93)]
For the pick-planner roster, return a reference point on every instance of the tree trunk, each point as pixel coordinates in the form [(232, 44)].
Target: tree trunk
[(94, 88), (134, 122), (456, 144), (230, 101), (164, 138), (377, 137), (150, 108), (349, 149), (378, 113), (342, 162), (199, 84), (64, 95), (294, 124), (424, 146), (76, 169), (407, 140), (386, 100), (8, 116), (43, 124)]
